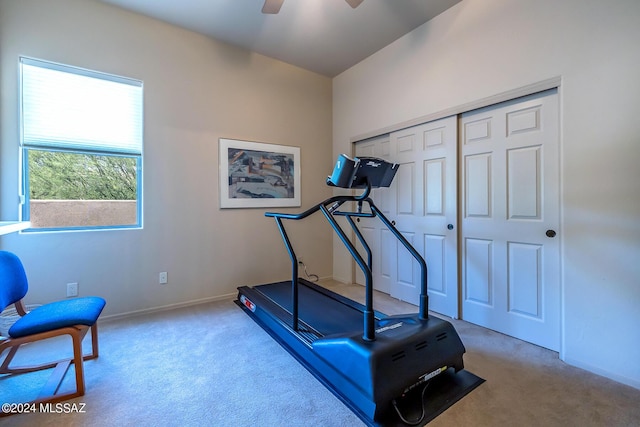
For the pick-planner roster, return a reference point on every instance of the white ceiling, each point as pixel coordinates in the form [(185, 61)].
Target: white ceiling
[(325, 36)]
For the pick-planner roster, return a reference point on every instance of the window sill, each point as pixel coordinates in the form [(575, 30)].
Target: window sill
[(7, 227)]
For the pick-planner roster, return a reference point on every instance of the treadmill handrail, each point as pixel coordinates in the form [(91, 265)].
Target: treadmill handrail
[(335, 202), (330, 201), (369, 318), (424, 296)]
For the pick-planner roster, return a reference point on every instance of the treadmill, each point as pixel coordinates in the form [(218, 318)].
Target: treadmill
[(379, 366)]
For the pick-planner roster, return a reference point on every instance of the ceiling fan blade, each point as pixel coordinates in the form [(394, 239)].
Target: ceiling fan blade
[(272, 6), (354, 3)]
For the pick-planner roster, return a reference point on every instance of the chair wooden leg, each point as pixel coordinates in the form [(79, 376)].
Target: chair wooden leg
[(49, 393), (7, 360), (53, 383), (78, 361), (94, 343)]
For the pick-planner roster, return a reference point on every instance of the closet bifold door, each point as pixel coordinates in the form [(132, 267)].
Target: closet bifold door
[(509, 205), (422, 203)]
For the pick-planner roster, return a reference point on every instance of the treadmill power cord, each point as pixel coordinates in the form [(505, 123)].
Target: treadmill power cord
[(311, 277), (419, 420)]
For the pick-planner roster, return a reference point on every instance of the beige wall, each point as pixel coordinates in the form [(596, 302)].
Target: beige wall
[(481, 48), (196, 90)]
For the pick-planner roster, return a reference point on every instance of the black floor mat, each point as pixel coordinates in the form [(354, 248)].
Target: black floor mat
[(442, 392)]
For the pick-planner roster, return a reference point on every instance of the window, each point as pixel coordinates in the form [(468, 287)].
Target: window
[(81, 148)]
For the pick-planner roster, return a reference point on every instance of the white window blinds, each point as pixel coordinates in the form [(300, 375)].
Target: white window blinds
[(71, 108)]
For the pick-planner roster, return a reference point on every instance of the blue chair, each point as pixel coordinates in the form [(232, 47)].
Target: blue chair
[(72, 317)]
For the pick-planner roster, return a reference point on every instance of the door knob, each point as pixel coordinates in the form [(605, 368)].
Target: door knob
[(450, 227), (551, 233)]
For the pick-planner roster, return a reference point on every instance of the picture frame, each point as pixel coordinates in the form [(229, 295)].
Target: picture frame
[(258, 175)]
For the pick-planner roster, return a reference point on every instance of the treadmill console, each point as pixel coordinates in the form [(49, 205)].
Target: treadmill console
[(362, 171)]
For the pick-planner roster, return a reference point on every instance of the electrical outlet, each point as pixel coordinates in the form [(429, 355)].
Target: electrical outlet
[(163, 278), (72, 289)]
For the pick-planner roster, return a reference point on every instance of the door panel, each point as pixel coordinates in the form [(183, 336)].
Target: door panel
[(436, 248), (478, 185), (524, 180), (405, 188), (434, 180), (387, 249), (525, 279), (478, 267), (405, 284)]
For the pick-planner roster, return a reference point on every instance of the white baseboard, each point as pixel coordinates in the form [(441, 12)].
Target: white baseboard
[(631, 382), (339, 279), (134, 313)]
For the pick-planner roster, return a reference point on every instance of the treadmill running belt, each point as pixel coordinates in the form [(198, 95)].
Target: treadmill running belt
[(326, 315)]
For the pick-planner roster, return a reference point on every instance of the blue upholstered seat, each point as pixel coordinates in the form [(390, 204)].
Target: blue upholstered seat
[(59, 314)]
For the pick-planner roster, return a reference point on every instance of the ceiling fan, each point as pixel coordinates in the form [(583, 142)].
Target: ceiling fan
[(273, 6)]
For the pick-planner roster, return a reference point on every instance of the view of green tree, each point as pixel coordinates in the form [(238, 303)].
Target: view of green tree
[(72, 176)]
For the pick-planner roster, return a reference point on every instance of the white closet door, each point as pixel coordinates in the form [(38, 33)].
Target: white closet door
[(509, 175), (425, 212), (422, 202)]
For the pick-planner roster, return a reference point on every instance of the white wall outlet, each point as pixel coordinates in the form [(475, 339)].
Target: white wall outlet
[(72, 289), (163, 278)]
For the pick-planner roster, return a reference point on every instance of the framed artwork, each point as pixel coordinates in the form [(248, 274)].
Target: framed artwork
[(258, 175)]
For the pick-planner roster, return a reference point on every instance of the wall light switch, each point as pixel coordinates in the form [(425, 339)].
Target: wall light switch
[(163, 278)]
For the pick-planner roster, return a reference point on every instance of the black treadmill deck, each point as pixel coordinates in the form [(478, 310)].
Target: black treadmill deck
[(328, 312)]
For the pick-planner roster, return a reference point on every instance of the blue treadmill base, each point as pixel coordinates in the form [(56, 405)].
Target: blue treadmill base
[(274, 317)]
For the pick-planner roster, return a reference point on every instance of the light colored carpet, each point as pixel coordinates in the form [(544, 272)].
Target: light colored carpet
[(211, 365)]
